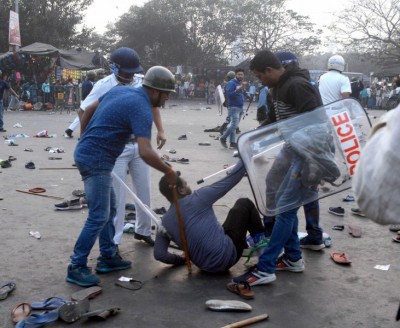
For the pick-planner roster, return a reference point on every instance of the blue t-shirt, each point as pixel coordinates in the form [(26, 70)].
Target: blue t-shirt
[(122, 111), (235, 98)]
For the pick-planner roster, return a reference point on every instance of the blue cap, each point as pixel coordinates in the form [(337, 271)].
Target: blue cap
[(286, 57)]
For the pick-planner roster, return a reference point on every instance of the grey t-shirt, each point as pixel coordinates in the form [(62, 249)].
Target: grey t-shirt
[(210, 248)]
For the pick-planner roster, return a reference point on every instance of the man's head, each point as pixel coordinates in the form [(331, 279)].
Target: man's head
[(125, 63), (91, 75), (239, 74), (181, 187), (267, 67), (230, 75), (336, 63), (159, 82)]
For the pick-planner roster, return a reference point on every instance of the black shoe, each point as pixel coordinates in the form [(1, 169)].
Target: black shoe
[(223, 128), (3, 130), (147, 239), (68, 133)]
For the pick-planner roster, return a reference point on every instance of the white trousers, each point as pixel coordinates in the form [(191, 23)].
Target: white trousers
[(74, 124), (140, 174)]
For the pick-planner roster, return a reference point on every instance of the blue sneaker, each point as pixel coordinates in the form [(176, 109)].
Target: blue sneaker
[(81, 276), (255, 277), (115, 263)]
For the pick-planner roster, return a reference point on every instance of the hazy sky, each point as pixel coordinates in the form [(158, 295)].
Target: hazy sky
[(105, 11)]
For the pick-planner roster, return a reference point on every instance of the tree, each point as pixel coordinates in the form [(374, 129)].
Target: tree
[(269, 24), (49, 21), (179, 32), (371, 27)]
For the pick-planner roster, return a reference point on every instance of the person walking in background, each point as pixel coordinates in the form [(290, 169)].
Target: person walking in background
[(4, 85), (235, 100)]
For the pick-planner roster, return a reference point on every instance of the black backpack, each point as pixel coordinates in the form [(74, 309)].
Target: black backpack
[(392, 102)]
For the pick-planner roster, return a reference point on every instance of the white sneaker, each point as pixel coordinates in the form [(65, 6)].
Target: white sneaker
[(283, 264)]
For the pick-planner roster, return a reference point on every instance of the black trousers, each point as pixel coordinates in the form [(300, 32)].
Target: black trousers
[(241, 218)]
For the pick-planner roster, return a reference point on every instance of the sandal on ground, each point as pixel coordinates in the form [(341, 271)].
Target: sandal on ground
[(87, 293), (242, 289), (50, 303), (227, 305), (21, 311), (73, 311), (6, 289), (355, 231), (102, 314), (396, 239), (38, 319), (131, 284), (340, 258), (37, 190)]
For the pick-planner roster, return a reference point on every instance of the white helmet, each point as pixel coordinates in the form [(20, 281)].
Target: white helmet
[(336, 62)]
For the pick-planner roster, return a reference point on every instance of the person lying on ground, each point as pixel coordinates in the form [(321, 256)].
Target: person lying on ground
[(212, 247)]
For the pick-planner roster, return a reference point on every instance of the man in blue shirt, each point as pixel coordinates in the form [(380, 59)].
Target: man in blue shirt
[(4, 86), (121, 112), (235, 100)]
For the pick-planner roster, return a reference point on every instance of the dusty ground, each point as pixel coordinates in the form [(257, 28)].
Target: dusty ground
[(325, 295)]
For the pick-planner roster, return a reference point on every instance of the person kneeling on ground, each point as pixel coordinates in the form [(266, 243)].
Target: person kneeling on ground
[(212, 247)]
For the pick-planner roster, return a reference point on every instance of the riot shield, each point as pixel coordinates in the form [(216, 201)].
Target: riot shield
[(307, 157)]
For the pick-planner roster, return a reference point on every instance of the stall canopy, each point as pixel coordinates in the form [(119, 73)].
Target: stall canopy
[(72, 59)]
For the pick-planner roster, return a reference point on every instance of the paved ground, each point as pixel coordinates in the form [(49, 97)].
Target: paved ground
[(325, 295)]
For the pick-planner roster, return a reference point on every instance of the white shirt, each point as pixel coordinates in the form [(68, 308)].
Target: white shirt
[(104, 85), (331, 86)]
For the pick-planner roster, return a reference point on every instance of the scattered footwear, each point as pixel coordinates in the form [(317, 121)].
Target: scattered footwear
[(130, 207), (307, 243), (283, 264), (30, 165), (255, 277), (101, 315), (73, 311), (20, 312), (50, 303), (37, 190), (204, 143), (182, 137), (3, 130), (160, 210), (38, 319), (81, 276), (338, 227), (28, 149), (172, 151), (68, 133), (116, 263), (87, 293), (242, 289), (5, 164), (132, 284), (147, 239), (6, 290), (224, 305), (355, 231), (396, 239), (348, 198), (336, 211), (340, 258), (74, 204), (394, 227), (182, 160), (357, 211), (223, 143), (216, 129)]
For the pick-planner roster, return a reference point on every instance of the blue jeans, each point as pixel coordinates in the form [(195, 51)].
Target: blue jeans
[(234, 115), (1, 114), (284, 232), (102, 210), (311, 213)]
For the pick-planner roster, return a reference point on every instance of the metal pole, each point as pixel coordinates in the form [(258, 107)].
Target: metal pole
[(16, 48)]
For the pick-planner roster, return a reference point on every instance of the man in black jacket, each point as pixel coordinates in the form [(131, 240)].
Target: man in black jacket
[(292, 94)]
